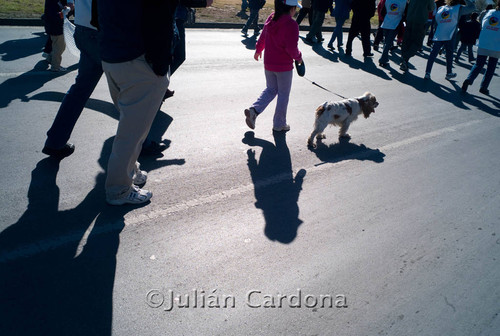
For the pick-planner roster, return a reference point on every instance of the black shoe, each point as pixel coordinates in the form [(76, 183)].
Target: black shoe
[(465, 85), (168, 94), (330, 47), (383, 64), (484, 91), (368, 55), (61, 153), (153, 148)]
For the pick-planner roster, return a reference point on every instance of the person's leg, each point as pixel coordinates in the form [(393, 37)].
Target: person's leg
[(459, 51), (449, 56), (436, 46), (89, 74), (253, 14), (137, 91), (316, 25), (268, 94), (284, 80), (179, 55), (365, 37), (353, 32), (470, 53), (490, 71), (389, 35), (476, 68), (58, 46), (337, 33)]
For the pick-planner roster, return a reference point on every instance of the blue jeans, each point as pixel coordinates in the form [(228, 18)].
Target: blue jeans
[(253, 20), (89, 74), (337, 32), (389, 35), (490, 70), (280, 84), (436, 46)]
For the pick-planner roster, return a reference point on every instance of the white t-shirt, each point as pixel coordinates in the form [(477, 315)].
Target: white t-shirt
[(490, 33), (395, 10), (447, 20)]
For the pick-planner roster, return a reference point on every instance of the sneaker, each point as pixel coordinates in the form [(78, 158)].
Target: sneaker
[(465, 85), (484, 91), (450, 75), (251, 115), (285, 128), (136, 195), (427, 75), (58, 69), (60, 153), (404, 65), (140, 177)]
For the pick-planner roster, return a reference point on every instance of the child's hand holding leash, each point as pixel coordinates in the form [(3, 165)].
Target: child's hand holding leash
[(257, 55)]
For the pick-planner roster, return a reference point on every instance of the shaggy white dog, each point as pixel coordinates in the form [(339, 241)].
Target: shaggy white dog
[(341, 113)]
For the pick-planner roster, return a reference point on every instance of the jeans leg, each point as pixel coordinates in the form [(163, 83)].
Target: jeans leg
[(476, 69), (389, 35), (436, 46), (253, 14), (490, 71), (449, 55), (269, 92), (89, 74)]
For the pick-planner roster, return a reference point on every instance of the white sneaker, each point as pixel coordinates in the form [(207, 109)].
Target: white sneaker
[(285, 128), (136, 195), (251, 115), (140, 177), (427, 75), (450, 75)]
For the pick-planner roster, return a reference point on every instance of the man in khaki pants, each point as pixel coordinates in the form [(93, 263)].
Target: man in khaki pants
[(136, 40)]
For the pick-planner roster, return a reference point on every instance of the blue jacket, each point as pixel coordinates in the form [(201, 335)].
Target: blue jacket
[(342, 9)]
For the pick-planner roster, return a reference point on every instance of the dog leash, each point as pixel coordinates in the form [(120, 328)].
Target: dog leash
[(314, 83)]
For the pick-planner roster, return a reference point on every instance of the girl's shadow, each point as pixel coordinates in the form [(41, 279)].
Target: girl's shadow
[(276, 189)]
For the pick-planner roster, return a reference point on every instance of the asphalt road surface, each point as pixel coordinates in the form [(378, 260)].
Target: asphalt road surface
[(251, 233)]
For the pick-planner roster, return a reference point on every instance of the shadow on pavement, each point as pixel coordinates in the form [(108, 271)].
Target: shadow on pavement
[(19, 87), (276, 189), (58, 267), (344, 150), (15, 49)]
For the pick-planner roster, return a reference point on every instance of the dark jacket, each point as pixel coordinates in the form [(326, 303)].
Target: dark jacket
[(469, 31), (363, 9), (322, 5), (256, 4), (53, 21), (131, 28)]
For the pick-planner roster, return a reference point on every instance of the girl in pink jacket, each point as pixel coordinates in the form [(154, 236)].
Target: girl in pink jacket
[(279, 38)]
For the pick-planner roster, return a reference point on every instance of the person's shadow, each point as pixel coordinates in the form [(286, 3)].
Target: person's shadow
[(345, 150), (57, 268), (276, 189), (13, 50), (250, 41)]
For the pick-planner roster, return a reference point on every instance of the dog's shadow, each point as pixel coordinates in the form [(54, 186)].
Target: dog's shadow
[(345, 150)]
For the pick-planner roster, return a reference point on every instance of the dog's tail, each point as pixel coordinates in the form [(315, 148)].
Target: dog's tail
[(321, 109)]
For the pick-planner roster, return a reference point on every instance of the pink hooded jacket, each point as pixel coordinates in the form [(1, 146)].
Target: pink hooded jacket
[(280, 39)]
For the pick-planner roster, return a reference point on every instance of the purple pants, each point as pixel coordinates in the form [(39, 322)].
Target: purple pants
[(278, 83)]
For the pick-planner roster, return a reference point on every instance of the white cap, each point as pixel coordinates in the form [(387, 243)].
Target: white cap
[(292, 3)]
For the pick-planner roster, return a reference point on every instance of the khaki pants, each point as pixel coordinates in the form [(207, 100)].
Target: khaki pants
[(58, 47), (137, 93)]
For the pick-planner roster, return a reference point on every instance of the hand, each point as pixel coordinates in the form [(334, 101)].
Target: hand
[(257, 56)]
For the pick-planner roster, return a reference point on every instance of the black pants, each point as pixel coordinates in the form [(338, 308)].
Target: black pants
[(359, 25)]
